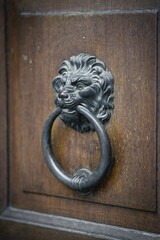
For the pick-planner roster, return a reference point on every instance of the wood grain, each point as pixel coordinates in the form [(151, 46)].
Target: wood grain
[(41, 6), (9, 230), (3, 126), (127, 42), (133, 126)]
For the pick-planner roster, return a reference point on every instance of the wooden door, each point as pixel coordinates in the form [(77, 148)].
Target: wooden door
[(36, 36)]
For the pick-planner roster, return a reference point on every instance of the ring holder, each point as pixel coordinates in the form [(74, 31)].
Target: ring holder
[(85, 95)]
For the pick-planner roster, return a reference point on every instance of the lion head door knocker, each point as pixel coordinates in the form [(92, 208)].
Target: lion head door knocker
[(85, 101)]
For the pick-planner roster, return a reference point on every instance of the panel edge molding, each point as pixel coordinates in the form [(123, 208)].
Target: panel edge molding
[(75, 226)]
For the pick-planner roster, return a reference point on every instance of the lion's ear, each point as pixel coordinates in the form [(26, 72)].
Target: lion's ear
[(57, 83), (107, 83), (110, 102)]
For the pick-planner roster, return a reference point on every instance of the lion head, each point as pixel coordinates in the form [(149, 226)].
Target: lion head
[(84, 80)]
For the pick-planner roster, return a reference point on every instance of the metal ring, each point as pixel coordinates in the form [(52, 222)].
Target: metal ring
[(83, 180)]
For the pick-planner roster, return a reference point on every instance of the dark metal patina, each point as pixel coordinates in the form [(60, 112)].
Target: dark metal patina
[(84, 102), (84, 80)]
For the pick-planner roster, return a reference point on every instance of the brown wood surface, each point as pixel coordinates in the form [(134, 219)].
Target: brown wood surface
[(41, 35), (12, 230), (41, 6), (3, 126), (133, 125)]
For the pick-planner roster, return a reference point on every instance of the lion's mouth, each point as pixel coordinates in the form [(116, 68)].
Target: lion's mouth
[(67, 108), (68, 111), (68, 105), (69, 116)]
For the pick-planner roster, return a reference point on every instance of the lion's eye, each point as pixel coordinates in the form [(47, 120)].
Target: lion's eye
[(80, 86)]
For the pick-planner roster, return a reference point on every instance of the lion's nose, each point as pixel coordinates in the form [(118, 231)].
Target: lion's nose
[(63, 95)]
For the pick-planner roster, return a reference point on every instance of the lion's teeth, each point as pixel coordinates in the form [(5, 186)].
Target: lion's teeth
[(68, 111)]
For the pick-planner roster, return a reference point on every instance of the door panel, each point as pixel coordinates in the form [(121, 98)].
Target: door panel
[(38, 46), (40, 36)]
